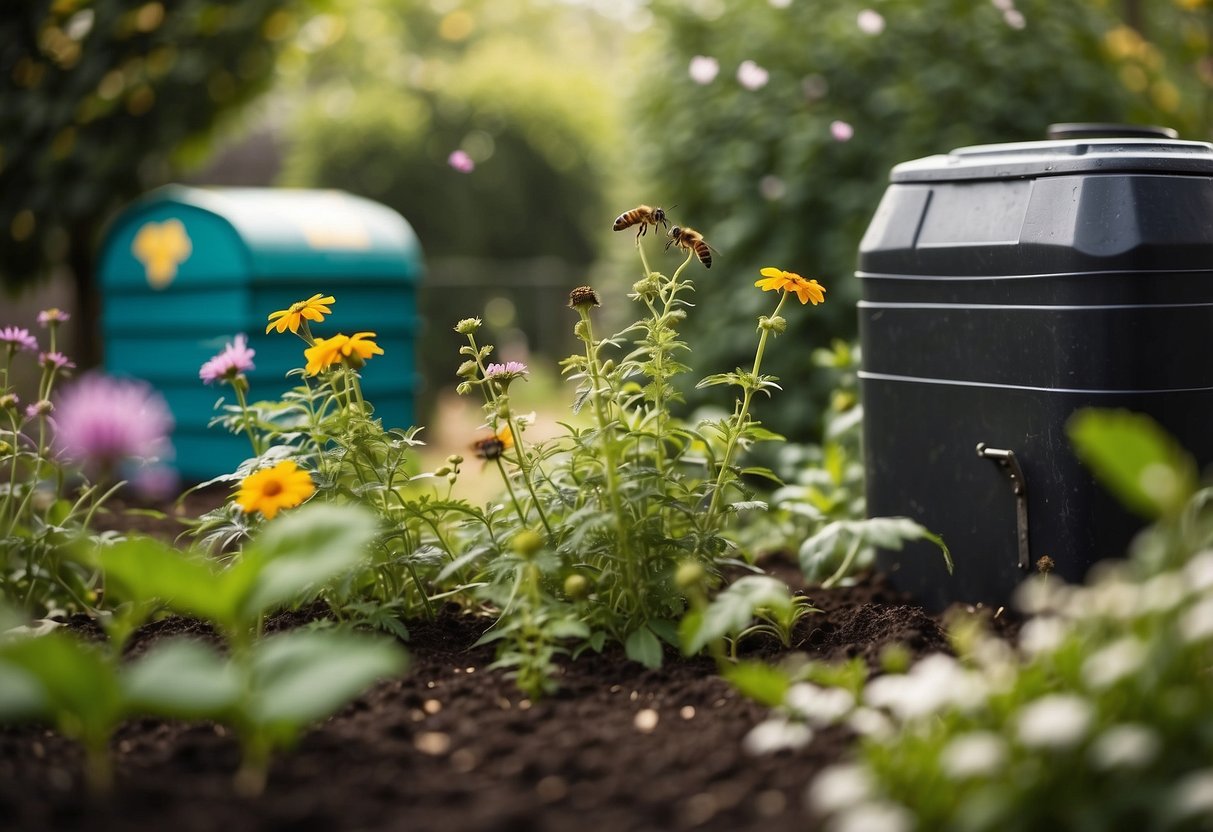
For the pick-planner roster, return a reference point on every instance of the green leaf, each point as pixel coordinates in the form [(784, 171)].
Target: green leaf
[(78, 680), (22, 696), (184, 679), (145, 571), (733, 609), (300, 677), (759, 681), (1135, 459), (643, 646), (304, 550)]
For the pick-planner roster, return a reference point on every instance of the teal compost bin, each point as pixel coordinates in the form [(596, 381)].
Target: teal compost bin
[(184, 270)]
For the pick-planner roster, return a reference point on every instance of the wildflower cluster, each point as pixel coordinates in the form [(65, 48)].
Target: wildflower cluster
[(62, 453)]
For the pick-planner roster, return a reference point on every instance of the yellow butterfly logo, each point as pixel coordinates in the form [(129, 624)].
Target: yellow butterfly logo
[(161, 248)]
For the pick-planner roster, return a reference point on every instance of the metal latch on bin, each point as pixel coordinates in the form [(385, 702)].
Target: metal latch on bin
[(1010, 465)]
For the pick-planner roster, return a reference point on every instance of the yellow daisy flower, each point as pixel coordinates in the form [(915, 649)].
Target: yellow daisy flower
[(312, 309), (807, 290), (354, 349), (272, 489)]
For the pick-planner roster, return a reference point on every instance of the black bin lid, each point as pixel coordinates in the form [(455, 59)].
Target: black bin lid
[(1073, 148)]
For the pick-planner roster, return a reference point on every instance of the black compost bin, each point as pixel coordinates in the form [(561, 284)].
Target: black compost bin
[(1004, 287)]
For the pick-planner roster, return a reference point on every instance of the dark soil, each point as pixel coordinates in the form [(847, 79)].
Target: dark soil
[(452, 746)]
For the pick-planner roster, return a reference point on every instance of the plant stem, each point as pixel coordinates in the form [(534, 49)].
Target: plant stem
[(742, 416), (238, 386)]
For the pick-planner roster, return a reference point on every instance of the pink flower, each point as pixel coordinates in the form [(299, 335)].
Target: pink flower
[(870, 22), (461, 162), (57, 360), (507, 371), (235, 359), (18, 338), (703, 70), (751, 76), (52, 316), (38, 408), (841, 131), (103, 421)]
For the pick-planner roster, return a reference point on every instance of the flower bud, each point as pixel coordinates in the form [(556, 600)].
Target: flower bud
[(9, 401), (581, 331), (5, 448), (777, 324), (239, 382), (452, 478), (647, 286), (608, 365), (678, 314), (467, 370), (689, 574), (503, 407), (467, 326), (454, 459), (576, 587), (527, 543), (443, 471), (464, 388)]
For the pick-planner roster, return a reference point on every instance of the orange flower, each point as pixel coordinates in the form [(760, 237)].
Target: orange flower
[(312, 309), (777, 279), (353, 349)]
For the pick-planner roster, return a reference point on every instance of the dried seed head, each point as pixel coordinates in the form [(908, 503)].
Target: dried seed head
[(583, 297), (1045, 565)]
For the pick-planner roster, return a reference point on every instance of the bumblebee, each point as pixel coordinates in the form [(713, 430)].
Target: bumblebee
[(644, 216), (494, 445), (688, 239)]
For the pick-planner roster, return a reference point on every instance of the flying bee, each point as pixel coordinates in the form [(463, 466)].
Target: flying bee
[(688, 239), (494, 445), (644, 216)]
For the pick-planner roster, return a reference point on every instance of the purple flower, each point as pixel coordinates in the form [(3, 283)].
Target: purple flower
[(751, 76), (235, 359), (507, 371), (703, 70), (53, 316), (841, 131), (18, 338), (102, 421), (57, 360), (461, 162), (38, 408)]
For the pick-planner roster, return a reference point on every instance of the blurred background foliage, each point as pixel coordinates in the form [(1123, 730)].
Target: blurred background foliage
[(789, 173), (770, 124)]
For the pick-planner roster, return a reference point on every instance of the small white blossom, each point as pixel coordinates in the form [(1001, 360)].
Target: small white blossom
[(840, 787), (1057, 721), (869, 722), (820, 706), (751, 76), (776, 734), (1003, 5), (1125, 746), (703, 70), (870, 22), (780, 4), (1199, 571), (877, 816), (976, 754), (1014, 18), (1118, 660), (1197, 623), (1042, 635), (936, 682), (1163, 593), (1193, 794), (1039, 595)]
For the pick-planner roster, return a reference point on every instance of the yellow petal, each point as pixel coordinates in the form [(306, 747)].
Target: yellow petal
[(771, 271)]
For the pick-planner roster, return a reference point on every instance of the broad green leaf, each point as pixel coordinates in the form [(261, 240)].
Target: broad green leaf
[(300, 677), (644, 647), (304, 550), (733, 609), (1135, 459), (184, 679), (22, 696), (144, 571), (759, 681), (568, 628), (78, 680)]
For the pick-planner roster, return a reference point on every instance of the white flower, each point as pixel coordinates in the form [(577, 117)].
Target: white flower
[(1003, 5), (820, 706), (1041, 635), (877, 816), (1056, 721), (1193, 795), (1197, 623), (703, 70), (839, 787), (1108, 666), (1163, 593), (1199, 571), (869, 722), (936, 682), (776, 734), (1125, 746), (841, 131), (1014, 18), (976, 754), (751, 76), (870, 22), (780, 4), (1039, 595)]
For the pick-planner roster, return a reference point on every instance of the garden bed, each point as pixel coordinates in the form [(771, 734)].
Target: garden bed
[(453, 745)]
